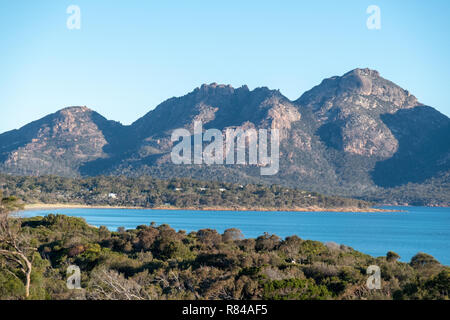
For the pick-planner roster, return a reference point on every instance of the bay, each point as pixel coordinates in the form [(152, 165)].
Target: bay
[(417, 229)]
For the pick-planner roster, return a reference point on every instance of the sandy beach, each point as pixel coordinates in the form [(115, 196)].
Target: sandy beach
[(47, 206)]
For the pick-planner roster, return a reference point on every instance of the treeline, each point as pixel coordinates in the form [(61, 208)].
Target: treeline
[(148, 192), (156, 262)]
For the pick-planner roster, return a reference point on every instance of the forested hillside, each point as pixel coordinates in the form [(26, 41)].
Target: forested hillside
[(148, 192)]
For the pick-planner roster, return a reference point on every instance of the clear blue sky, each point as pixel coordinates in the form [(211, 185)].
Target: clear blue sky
[(130, 55)]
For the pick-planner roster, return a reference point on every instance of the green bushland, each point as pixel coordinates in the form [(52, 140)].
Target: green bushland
[(157, 262)]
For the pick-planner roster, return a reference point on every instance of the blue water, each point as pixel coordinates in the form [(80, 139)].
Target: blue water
[(418, 229)]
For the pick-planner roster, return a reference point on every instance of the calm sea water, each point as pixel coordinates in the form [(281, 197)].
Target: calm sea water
[(418, 229)]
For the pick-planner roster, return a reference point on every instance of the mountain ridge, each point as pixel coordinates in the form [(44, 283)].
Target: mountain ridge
[(351, 135)]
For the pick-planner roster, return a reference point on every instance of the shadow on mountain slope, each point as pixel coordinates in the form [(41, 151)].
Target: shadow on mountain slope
[(424, 147), (120, 142)]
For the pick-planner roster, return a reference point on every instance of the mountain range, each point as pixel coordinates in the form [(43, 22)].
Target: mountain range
[(356, 135)]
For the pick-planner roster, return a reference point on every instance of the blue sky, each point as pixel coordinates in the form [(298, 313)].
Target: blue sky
[(130, 55)]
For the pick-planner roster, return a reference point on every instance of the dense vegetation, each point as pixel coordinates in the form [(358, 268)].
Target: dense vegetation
[(148, 192), (433, 192), (156, 262)]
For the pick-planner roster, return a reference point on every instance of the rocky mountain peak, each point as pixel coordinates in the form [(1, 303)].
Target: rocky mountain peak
[(215, 89), (74, 111), (358, 88), (58, 143), (348, 110), (364, 72), (367, 82)]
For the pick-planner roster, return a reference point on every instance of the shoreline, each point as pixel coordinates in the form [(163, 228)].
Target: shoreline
[(46, 206)]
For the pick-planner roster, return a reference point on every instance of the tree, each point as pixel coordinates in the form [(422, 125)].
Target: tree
[(14, 244), (422, 260), (111, 285), (9, 204), (232, 234), (267, 242), (440, 284), (391, 256)]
